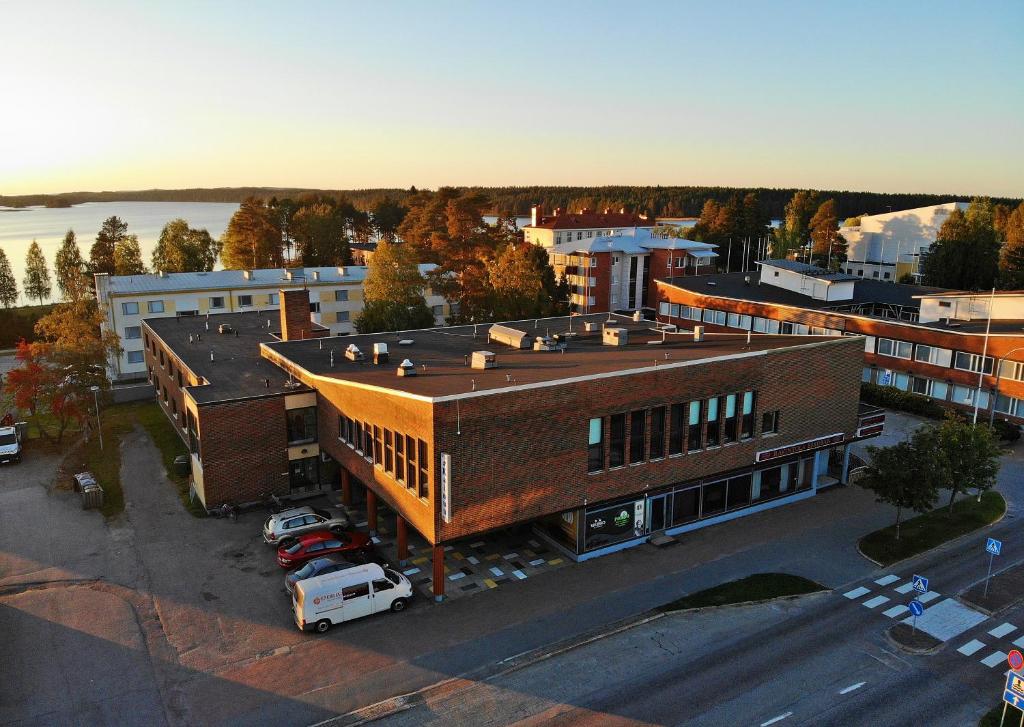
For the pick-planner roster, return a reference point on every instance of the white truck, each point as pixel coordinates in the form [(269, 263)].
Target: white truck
[(10, 445)]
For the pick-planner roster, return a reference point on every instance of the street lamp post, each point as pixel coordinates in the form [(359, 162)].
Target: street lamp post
[(995, 391), (96, 399)]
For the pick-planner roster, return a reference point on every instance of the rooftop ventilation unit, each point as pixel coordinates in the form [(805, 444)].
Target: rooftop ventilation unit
[(543, 343), (247, 274), (406, 368), (637, 316), (352, 353), (380, 353), (509, 336), (698, 334), (406, 342), (483, 360), (615, 336), (591, 327), (316, 275)]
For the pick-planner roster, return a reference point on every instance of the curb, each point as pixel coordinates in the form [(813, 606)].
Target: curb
[(739, 604), (909, 650)]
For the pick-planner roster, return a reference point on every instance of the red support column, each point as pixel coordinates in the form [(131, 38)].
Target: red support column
[(403, 540), (346, 487), (438, 572), (371, 511)]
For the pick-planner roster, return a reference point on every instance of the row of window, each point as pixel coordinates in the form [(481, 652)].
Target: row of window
[(742, 321), (944, 391), (960, 360), (401, 456), (886, 275), (649, 434)]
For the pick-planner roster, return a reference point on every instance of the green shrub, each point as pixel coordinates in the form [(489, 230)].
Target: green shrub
[(1006, 431), (892, 398)]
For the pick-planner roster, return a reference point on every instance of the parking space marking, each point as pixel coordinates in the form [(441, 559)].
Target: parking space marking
[(895, 611), (498, 572), (410, 571), (477, 544), (519, 574), (556, 561), (875, 602), (905, 588), (996, 657), (490, 583), (857, 592), (884, 581), (1001, 631), (510, 556), (971, 647)]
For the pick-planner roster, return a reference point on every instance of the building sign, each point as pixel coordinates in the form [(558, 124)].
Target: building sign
[(766, 455), (613, 524), (446, 487), (885, 378)]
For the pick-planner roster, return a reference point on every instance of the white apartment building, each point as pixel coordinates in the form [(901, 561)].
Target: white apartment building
[(336, 298), (563, 227), (890, 245)]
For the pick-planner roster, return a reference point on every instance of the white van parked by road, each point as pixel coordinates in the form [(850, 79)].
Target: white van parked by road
[(361, 590)]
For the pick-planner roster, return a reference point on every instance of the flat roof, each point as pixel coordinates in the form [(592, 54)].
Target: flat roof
[(237, 370), (445, 353), (811, 271), (734, 285)]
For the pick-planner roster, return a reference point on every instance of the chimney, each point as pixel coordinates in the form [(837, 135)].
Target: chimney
[(296, 323), (536, 214)]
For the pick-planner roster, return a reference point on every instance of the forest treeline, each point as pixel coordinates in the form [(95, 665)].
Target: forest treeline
[(661, 201)]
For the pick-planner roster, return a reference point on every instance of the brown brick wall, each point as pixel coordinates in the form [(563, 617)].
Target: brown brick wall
[(524, 454), (295, 321), (167, 376), (244, 450)]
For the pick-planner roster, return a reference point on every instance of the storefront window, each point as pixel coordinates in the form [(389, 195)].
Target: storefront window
[(739, 492), (714, 499), (771, 482), (595, 448), (685, 505), (613, 524), (693, 426), (637, 426), (658, 432), (617, 448)]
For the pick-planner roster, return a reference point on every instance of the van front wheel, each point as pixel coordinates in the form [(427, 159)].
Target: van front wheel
[(322, 625), (399, 604)]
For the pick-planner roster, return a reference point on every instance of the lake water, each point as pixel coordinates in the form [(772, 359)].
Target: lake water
[(146, 219)]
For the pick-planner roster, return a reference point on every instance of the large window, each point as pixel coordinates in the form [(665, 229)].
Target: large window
[(693, 426), (595, 448), (302, 425), (389, 452), (714, 423), (424, 489), (130, 309), (637, 427), (400, 457), (155, 306), (729, 431), (411, 470), (134, 357), (739, 492), (217, 302), (677, 413), (714, 498), (685, 505), (933, 355), (658, 432), (617, 445), (132, 332), (972, 362), (1012, 370), (747, 422), (304, 472), (896, 349), (245, 301)]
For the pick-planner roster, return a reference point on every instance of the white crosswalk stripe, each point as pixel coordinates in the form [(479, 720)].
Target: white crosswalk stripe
[(971, 647), (886, 580), (996, 657), (895, 611), (857, 592), (1019, 642), (906, 587), (875, 602), (929, 596), (1001, 631)]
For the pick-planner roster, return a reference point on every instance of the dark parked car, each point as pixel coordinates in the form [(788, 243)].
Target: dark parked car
[(313, 545), (322, 566)]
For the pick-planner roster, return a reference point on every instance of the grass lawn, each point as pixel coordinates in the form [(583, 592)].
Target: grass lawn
[(758, 587), (166, 439), (934, 528)]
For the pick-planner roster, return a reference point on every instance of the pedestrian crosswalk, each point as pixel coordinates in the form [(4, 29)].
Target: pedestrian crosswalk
[(983, 639)]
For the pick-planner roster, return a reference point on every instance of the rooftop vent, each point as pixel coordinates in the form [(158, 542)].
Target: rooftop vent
[(406, 368), (380, 353), (698, 334), (615, 336), (341, 271), (483, 360), (544, 343), (316, 275), (224, 328), (247, 274), (352, 353), (637, 316), (591, 327), (406, 342), (509, 336)]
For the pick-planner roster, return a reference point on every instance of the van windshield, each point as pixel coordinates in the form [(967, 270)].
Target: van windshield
[(6, 439), (392, 576)]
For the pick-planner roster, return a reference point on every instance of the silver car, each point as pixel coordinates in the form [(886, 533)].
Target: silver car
[(282, 527)]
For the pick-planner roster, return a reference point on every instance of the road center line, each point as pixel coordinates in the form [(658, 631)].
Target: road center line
[(773, 720), (852, 687)]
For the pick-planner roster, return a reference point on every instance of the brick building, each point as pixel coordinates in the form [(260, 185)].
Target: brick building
[(963, 350)]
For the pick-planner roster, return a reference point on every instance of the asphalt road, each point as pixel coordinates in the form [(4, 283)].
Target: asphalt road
[(820, 660)]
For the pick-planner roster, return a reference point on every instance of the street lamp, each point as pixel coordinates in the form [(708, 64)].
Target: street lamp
[(96, 398), (995, 391)]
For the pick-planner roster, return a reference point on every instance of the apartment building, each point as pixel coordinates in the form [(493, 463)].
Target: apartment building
[(336, 298), (548, 230), (933, 342)]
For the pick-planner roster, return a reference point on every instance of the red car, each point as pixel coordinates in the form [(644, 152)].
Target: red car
[(321, 542)]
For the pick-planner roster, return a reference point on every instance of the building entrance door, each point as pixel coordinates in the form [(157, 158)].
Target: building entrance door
[(658, 510)]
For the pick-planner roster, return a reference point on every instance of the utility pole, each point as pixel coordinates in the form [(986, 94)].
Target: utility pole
[(984, 352)]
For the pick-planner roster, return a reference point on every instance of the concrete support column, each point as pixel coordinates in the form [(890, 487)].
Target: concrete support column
[(403, 540), (346, 487), (438, 572), (845, 476), (371, 511)]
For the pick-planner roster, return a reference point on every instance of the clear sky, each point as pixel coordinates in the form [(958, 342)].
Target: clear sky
[(885, 96)]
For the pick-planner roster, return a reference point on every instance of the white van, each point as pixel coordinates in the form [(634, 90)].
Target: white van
[(322, 601)]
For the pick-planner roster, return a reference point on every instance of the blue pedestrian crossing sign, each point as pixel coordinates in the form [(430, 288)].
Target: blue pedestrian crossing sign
[(920, 584), (994, 546), (916, 607), (1013, 693)]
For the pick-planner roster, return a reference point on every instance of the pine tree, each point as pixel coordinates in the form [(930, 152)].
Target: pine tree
[(101, 256), (128, 257), (37, 275), (8, 285), (1011, 259), (69, 268), (182, 249), (253, 238)]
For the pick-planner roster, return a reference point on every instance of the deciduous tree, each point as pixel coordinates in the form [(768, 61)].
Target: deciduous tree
[(1011, 258), (253, 238), (393, 275), (389, 315), (959, 457), (894, 475), (8, 285), (37, 274), (184, 249), (128, 257), (69, 268), (101, 255), (965, 254)]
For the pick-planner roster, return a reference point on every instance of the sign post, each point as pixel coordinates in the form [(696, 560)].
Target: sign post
[(1013, 694), (993, 547), (916, 608)]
